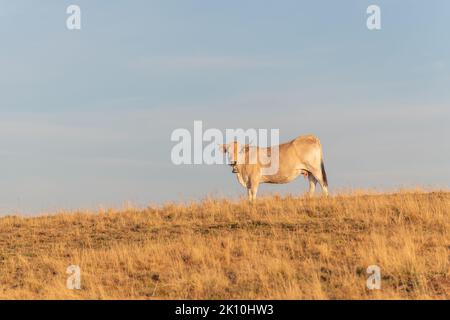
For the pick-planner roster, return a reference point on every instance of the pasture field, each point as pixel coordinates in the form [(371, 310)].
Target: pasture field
[(283, 247)]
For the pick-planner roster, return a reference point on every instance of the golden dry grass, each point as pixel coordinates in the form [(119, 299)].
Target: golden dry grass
[(282, 248)]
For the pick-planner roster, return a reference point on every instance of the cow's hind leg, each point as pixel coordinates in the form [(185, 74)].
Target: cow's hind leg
[(318, 176), (324, 189), (312, 184)]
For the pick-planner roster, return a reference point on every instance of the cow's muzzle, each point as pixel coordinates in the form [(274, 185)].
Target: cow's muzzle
[(233, 165)]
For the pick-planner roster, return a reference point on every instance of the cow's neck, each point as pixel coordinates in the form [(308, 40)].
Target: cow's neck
[(242, 178)]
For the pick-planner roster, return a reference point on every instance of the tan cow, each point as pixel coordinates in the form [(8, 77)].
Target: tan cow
[(301, 156)]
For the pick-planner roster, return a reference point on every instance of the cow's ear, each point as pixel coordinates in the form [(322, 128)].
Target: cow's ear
[(223, 148)]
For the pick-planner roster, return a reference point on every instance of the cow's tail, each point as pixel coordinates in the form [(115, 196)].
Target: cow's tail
[(324, 174)]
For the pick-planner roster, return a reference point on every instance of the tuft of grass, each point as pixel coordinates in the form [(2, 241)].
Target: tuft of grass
[(280, 248)]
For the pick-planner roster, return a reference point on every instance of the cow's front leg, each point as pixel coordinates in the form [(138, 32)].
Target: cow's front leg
[(252, 193), (252, 189), (249, 193)]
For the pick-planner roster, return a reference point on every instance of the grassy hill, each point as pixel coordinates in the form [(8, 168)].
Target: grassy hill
[(281, 248)]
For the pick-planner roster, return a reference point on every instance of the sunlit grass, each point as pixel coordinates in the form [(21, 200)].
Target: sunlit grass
[(282, 248)]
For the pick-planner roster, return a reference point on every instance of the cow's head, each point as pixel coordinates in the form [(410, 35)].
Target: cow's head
[(232, 150)]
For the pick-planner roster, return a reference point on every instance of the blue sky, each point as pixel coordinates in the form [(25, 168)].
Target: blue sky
[(86, 116)]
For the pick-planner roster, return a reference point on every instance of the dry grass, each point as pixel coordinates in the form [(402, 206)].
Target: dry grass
[(283, 248)]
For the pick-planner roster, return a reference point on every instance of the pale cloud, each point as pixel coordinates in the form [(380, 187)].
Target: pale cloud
[(211, 62)]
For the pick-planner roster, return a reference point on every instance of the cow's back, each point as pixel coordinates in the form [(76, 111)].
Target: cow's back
[(300, 147), (307, 148), (298, 154)]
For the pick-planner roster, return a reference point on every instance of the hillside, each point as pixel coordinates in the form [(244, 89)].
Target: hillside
[(282, 248)]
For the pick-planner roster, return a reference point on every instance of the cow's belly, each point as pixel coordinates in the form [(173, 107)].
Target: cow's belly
[(280, 180), (284, 177)]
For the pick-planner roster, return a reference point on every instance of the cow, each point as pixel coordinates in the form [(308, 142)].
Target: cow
[(301, 156)]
